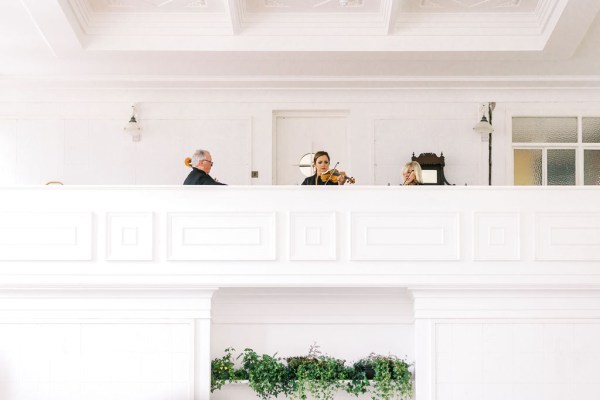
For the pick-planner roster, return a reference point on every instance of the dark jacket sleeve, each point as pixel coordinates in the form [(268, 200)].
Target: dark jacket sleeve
[(198, 177), (211, 181), (309, 181)]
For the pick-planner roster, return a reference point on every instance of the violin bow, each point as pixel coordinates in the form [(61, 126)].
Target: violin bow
[(331, 174)]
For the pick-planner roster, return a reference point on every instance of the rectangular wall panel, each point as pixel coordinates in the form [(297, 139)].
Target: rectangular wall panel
[(561, 236), (497, 236), (45, 236), (129, 236), (138, 360), (404, 236), (313, 236), (516, 360), (221, 236)]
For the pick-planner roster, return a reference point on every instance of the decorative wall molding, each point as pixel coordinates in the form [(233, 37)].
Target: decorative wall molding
[(313, 306), (405, 236), (129, 236), (146, 5), (221, 236), (116, 335), (98, 359), (479, 5), (497, 236), (368, 89), (564, 236), (496, 302), (45, 236), (313, 236), (526, 242), (97, 17), (234, 26), (509, 358), (105, 302), (500, 340)]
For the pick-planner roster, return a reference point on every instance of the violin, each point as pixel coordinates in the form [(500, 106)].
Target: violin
[(188, 162), (334, 176)]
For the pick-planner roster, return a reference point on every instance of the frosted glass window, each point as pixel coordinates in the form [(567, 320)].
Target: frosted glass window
[(528, 166), (561, 166), (591, 167), (544, 129), (591, 130)]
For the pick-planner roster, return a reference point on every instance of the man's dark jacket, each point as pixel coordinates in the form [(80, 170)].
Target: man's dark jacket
[(199, 177)]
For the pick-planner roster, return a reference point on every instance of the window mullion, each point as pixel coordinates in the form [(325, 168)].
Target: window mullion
[(579, 153), (544, 166)]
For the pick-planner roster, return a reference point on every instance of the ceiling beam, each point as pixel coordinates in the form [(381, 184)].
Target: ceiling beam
[(390, 13), (57, 25), (233, 7)]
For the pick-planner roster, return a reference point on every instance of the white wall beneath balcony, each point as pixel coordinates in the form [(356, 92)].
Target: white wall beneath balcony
[(491, 291), (104, 342), (75, 135), (347, 323), (506, 344), (114, 359)]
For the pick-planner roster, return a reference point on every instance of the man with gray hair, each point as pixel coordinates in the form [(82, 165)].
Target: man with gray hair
[(201, 166)]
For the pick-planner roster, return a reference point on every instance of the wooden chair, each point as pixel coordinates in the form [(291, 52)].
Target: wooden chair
[(432, 167)]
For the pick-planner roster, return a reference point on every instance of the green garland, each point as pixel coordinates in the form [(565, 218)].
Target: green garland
[(267, 375), (320, 376)]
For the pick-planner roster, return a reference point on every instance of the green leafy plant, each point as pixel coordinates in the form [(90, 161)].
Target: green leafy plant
[(222, 370), (267, 375), (357, 381), (319, 375), (392, 377)]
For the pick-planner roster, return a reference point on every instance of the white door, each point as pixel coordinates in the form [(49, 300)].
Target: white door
[(298, 133)]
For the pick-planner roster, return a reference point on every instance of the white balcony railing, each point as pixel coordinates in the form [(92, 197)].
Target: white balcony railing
[(301, 236)]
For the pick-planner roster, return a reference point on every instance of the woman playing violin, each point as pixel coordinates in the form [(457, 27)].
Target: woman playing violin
[(321, 164)]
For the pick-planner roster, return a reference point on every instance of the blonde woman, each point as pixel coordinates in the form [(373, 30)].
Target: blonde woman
[(412, 173)]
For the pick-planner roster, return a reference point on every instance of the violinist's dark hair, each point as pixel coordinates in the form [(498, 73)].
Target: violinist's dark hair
[(319, 154)]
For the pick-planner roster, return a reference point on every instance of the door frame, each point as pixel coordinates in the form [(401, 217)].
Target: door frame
[(331, 113)]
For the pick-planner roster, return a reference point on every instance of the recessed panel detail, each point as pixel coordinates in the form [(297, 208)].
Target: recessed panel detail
[(497, 236), (567, 236), (45, 236), (313, 236), (404, 236), (129, 236), (221, 236)]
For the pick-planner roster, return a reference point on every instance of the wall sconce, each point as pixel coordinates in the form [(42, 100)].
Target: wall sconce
[(484, 127), (132, 127)]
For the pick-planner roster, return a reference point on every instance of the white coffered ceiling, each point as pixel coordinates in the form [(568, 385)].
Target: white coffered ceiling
[(251, 42)]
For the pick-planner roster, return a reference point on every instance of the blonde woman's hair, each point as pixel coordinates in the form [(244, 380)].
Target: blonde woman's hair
[(416, 167)]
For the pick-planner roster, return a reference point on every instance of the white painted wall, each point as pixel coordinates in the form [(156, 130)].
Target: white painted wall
[(506, 344), (95, 360), (104, 342), (498, 270), (75, 135), (347, 323), (507, 243)]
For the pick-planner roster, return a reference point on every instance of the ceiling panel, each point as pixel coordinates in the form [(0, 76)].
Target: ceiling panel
[(485, 6), (249, 42), (311, 6), (155, 6)]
